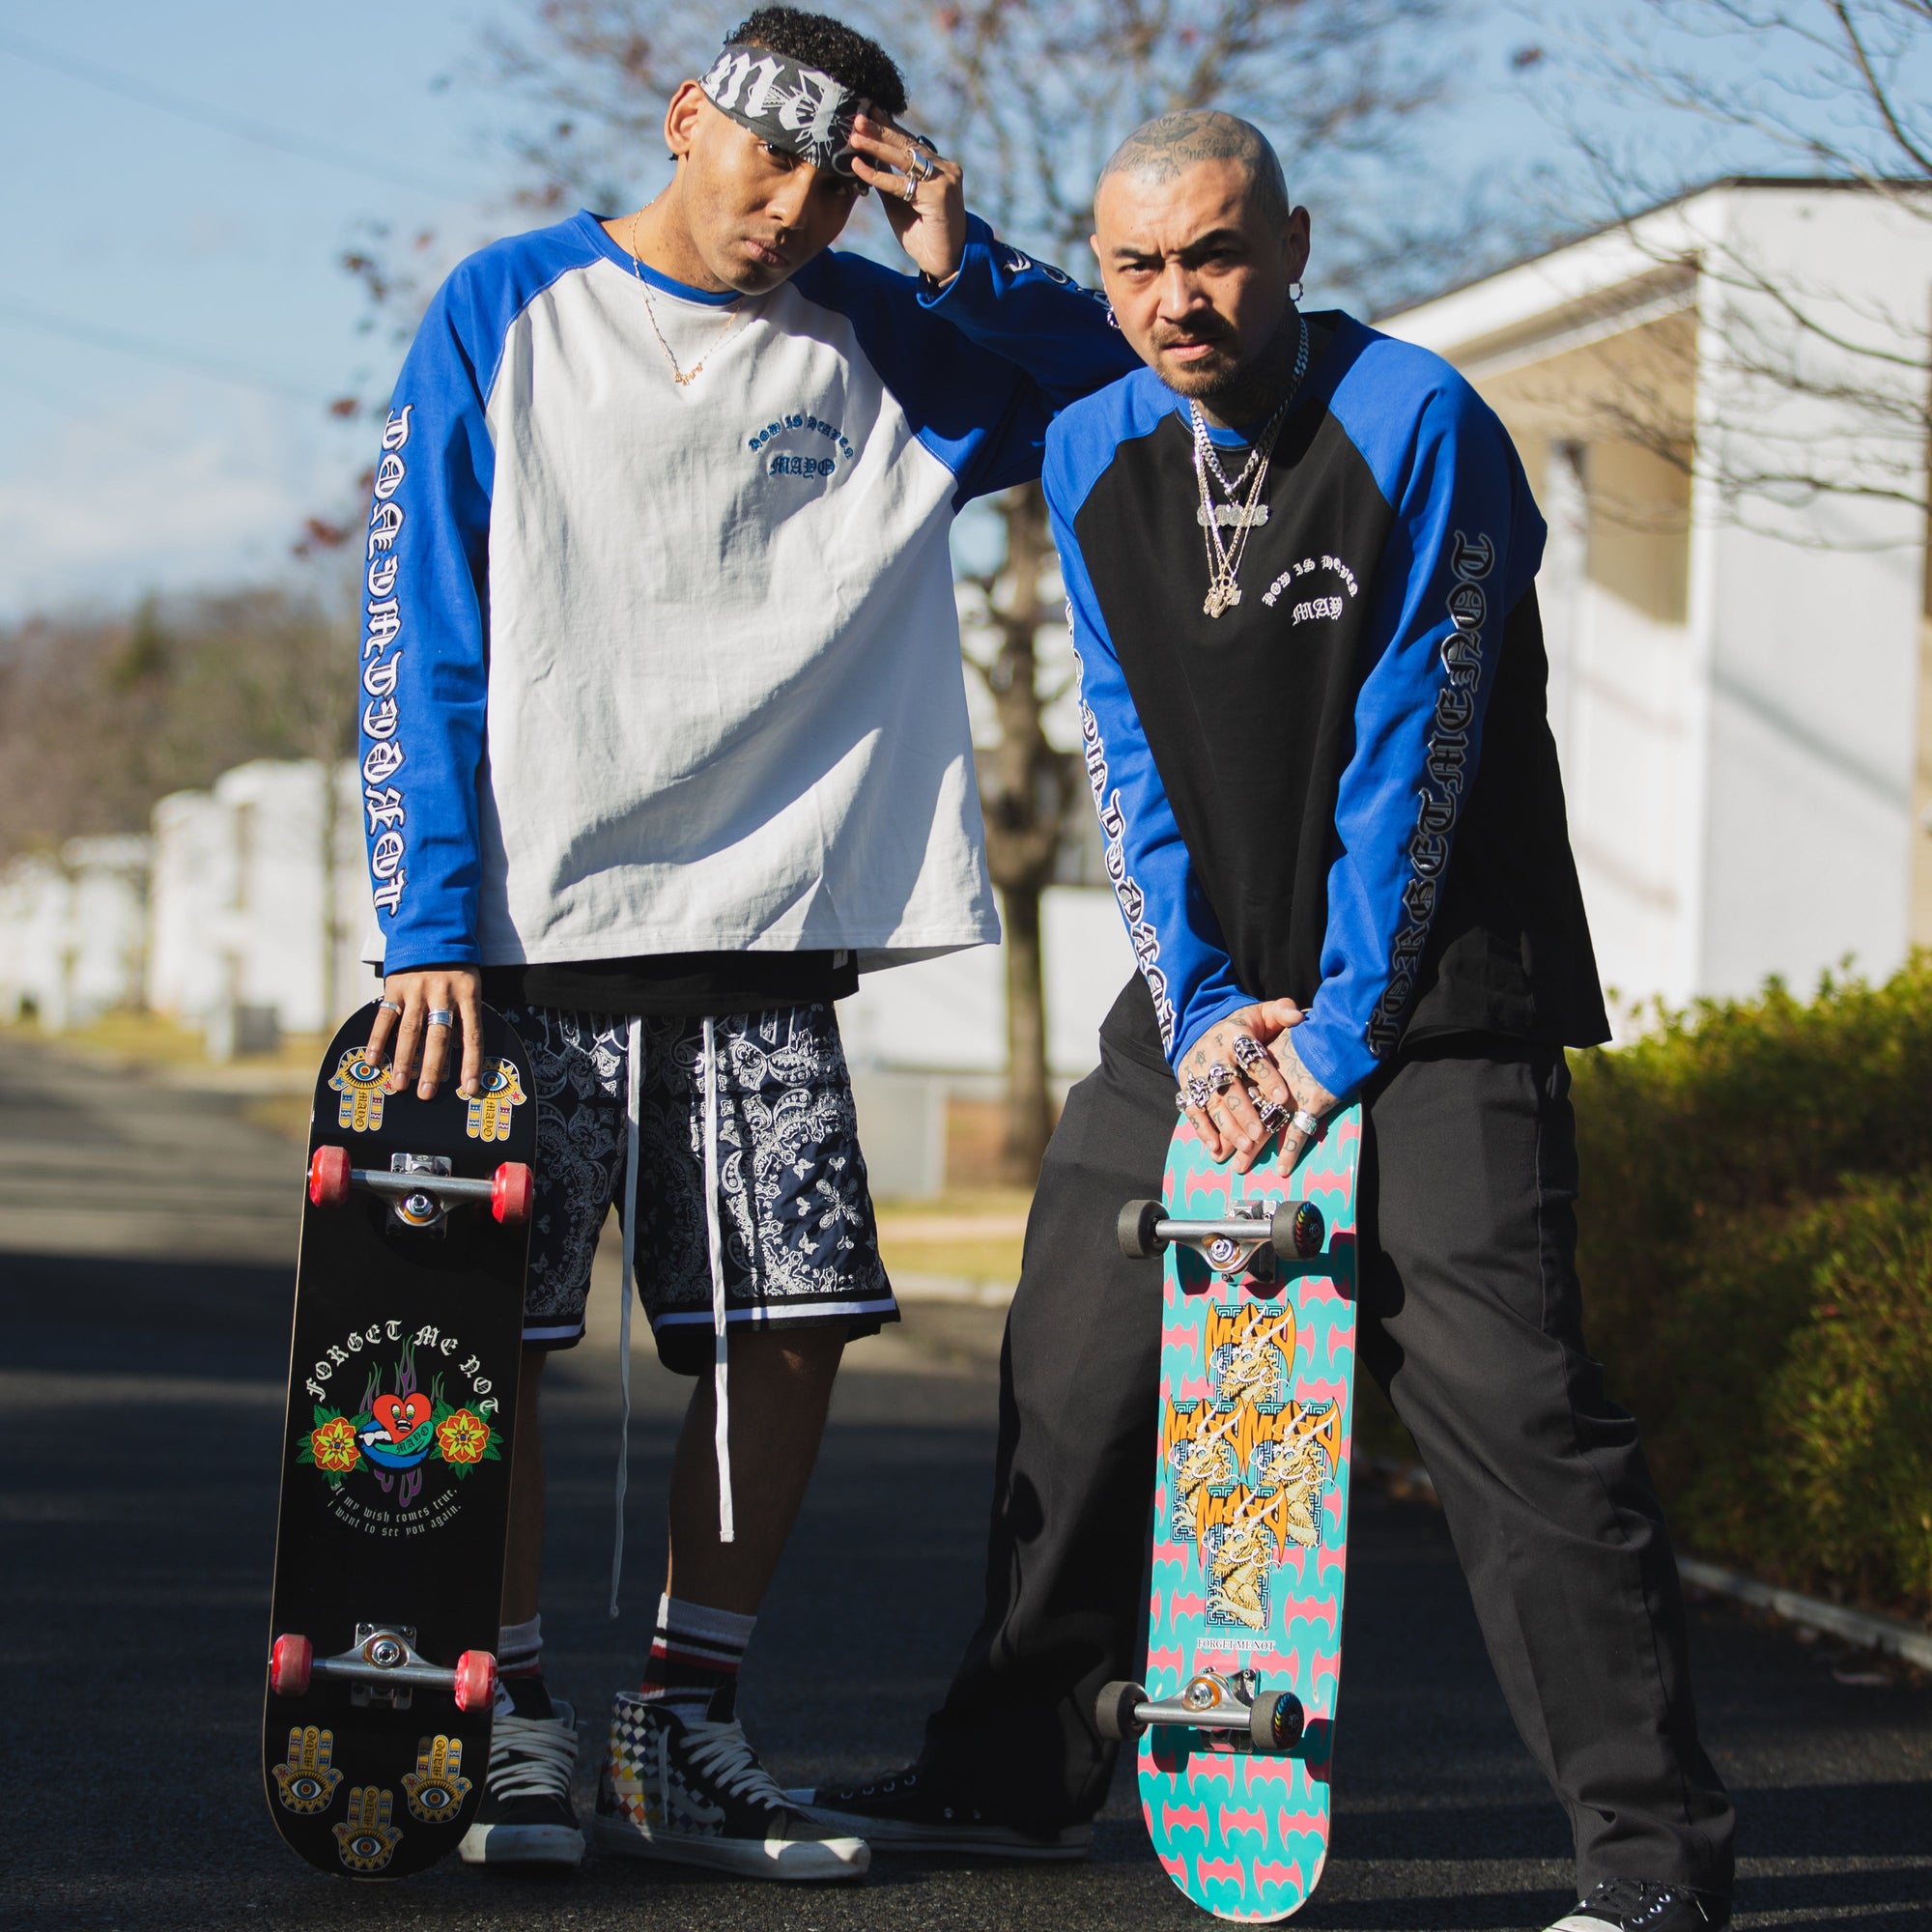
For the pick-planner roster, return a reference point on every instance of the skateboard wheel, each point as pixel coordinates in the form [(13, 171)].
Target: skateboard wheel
[(475, 1684), (1136, 1229), (288, 1662), (1275, 1721), (1114, 1712), (1297, 1231), (512, 1187), (329, 1176)]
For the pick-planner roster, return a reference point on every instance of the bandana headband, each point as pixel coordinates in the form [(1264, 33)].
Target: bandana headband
[(796, 108)]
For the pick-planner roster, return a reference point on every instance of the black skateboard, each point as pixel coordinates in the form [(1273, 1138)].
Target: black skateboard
[(396, 1459)]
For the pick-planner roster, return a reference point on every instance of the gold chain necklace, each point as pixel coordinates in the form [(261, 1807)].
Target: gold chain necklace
[(681, 377)]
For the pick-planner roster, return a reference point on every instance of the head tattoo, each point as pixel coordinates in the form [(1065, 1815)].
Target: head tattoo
[(1170, 144)]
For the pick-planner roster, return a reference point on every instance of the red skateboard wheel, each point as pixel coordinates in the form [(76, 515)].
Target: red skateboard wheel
[(512, 1188), (475, 1673), (329, 1176), (288, 1663)]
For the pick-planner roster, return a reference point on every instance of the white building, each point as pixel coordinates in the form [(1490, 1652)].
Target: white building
[(72, 932), (1737, 676), (259, 903)]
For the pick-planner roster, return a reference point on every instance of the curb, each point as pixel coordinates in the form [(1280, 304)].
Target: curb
[(1889, 1634)]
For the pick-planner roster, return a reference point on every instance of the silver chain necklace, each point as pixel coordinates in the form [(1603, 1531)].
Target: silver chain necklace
[(1224, 554)]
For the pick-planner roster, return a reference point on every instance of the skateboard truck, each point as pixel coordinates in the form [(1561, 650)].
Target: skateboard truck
[(1247, 1241), (1265, 1720), (383, 1666), (420, 1188)]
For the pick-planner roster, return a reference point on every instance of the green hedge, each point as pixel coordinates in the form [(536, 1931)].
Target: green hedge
[(1756, 1254)]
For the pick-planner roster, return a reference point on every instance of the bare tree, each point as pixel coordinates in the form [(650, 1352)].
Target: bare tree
[(1033, 99), (1830, 90), (101, 716)]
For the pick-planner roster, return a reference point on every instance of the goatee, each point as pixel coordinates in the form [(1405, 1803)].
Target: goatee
[(1250, 391)]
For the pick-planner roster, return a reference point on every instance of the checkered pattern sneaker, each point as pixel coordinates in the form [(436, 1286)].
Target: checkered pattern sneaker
[(693, 1792)]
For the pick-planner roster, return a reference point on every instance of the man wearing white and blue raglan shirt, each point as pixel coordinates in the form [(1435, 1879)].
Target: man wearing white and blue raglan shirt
[(1299, 558), (664, 741)]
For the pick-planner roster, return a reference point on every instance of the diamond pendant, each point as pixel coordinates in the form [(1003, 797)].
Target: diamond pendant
[(1220, 597)]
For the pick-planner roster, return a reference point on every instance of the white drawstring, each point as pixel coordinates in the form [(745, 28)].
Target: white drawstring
[(626, 1289), (722, 1434)]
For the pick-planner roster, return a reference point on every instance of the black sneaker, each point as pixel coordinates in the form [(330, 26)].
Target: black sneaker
[(525, 1818), (693, 1791), (1636, 1905), (902, 1811)]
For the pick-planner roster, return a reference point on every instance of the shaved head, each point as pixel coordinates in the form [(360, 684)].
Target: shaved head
[(1200, 251), (1166, 147)]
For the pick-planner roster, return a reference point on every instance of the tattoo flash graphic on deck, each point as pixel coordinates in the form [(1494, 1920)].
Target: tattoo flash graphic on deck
[(1248, 1467), (394, 1463), (1145, 939), (382, 661), (1439, 800)]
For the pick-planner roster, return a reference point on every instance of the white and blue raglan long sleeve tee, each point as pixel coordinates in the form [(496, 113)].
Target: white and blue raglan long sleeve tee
[(651, 667), (1343, 790)]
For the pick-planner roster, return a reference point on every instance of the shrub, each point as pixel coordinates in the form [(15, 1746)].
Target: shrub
[(1755, 1239)]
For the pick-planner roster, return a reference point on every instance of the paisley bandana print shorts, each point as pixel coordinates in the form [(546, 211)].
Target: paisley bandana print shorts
[(794, 1212)]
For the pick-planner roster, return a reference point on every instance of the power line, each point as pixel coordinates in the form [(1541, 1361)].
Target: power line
[(156, 351), (187, 108)]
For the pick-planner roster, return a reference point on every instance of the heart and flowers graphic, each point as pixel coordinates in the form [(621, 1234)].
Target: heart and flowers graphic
[(399, 1427), (398, 1432)]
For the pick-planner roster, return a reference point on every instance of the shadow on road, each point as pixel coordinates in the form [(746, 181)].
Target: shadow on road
[(139, 1408)]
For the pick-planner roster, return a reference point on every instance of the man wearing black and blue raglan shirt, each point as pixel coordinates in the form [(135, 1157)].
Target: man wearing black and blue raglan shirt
[(664, 742), (1299, 559)]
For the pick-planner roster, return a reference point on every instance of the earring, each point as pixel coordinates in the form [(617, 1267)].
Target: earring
[(1113, 320), (1294, 290)]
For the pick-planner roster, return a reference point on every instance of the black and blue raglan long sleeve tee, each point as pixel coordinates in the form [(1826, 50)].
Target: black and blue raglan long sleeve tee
[(1343, 790)]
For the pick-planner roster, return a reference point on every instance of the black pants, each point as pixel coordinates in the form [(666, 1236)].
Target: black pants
[(1470, 1322)]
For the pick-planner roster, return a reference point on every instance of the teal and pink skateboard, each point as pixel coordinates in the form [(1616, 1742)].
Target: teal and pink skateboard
[(1236, 1722)]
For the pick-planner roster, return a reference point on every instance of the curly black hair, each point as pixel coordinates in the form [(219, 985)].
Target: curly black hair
[(816, 40)]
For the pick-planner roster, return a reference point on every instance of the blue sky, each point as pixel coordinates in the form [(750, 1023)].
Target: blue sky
[(173, 313)]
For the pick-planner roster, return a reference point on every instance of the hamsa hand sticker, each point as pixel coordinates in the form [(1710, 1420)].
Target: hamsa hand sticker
[(503, 1093)]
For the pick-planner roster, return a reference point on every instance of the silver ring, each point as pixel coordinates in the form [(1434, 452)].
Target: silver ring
[(911, 185), (1248, 1051), (441, 1016), (387, 1006), (1305, 1122), (1219, 1079), (1197, 1092)]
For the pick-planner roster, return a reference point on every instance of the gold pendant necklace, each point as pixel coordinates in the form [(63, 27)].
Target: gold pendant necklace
[(683, 378)]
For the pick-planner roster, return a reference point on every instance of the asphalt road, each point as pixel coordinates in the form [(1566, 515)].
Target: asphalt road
[(145, 1241)]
